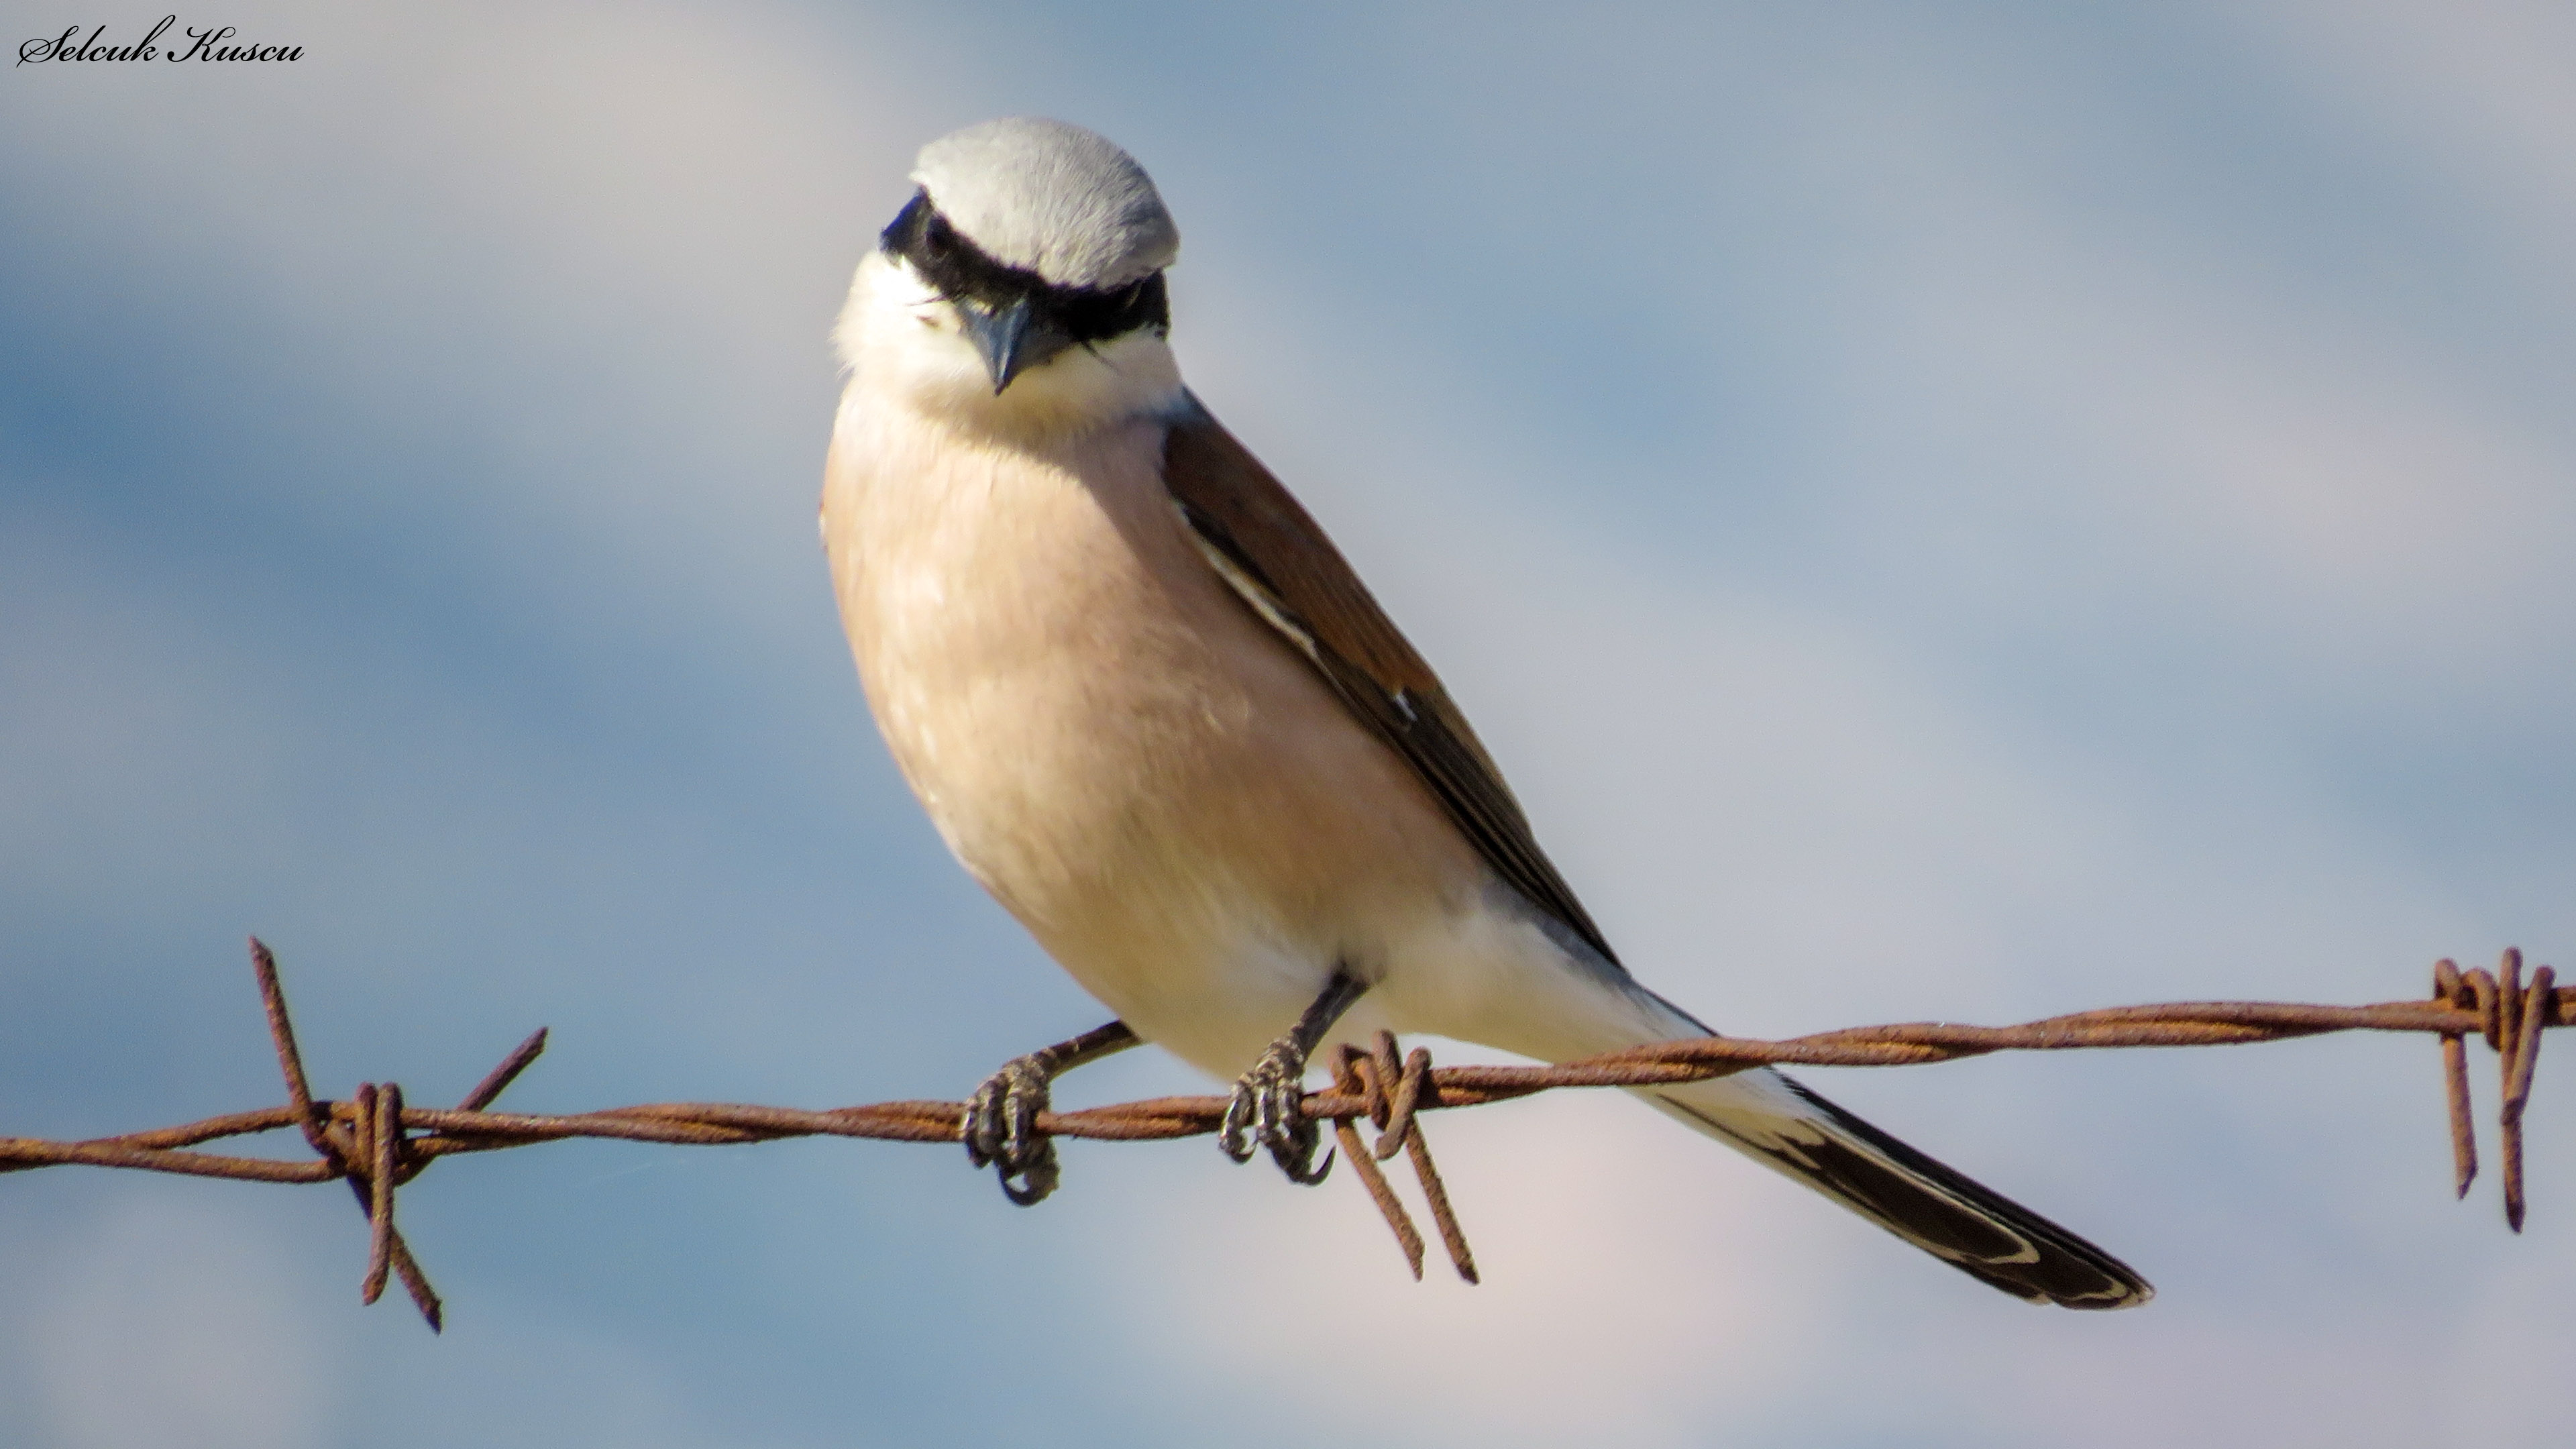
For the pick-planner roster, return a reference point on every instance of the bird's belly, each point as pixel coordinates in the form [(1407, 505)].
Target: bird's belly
[(1127, 759)]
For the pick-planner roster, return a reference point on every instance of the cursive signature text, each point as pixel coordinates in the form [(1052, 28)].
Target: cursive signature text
[(212, 43)]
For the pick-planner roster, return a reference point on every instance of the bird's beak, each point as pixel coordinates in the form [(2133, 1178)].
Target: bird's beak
[(1011, 340)]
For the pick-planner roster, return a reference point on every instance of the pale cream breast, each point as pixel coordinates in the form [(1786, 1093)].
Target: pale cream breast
[(1139, 769)]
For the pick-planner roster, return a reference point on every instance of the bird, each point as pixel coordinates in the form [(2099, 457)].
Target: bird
[(1152, 710)]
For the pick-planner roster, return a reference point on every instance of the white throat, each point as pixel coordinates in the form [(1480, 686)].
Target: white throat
[(903, 344)]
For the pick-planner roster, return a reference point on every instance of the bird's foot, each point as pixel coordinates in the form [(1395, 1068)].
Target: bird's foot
[(1001, 1128), (1268, 1111)]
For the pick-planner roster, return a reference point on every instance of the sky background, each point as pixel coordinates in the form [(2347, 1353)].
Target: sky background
[(1959, 510)]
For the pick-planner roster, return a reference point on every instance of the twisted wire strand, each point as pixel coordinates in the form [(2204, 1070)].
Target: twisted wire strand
[(368, 1140)]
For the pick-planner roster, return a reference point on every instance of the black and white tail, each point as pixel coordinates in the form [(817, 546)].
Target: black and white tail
[(1981, 1233)]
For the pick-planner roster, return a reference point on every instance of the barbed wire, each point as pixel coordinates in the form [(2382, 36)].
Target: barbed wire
[(368, 1140)]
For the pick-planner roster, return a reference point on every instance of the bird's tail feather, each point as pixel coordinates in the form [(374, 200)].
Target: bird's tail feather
[(1989, 1237)]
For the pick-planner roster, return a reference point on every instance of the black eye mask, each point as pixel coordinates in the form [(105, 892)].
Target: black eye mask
[(964, 273)]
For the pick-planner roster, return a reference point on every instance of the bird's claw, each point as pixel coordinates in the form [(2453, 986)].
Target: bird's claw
[(1001, 1128), (1268, 1111)]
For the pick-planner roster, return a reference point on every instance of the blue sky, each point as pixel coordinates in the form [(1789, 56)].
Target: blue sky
[(1942, 510)]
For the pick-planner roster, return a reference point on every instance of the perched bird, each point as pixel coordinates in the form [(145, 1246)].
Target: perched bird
[(1154, 712)]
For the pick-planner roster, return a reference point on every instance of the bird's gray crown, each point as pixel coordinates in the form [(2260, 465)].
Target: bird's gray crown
[(1051, 198)]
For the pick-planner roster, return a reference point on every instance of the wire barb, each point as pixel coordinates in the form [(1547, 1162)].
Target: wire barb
[(2511, 1016), (290, 1060), (376, 1143), (1393, 1092), (367, 1150), (1408, 1238), (498, 1080), (1388, 1094)]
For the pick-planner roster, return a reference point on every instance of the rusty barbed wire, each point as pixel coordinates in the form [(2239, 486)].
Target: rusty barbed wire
[(367, 1142)]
